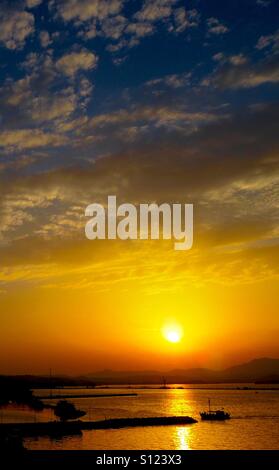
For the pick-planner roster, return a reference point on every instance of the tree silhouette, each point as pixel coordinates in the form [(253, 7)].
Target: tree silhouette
[(65, 411)]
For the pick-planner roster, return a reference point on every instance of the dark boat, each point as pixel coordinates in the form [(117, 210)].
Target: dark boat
[(214, 415)]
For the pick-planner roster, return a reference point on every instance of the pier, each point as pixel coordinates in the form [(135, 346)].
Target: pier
[(54, 428)]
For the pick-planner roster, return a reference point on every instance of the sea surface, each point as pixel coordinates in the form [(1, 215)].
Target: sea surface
[(254, 423)]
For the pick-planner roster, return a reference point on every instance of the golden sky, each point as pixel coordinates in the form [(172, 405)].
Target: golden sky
[(160, 104), (77, 305)]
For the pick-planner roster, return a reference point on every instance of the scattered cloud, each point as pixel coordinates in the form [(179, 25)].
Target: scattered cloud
[(35, 100), (85, 91), (71, 10), (73, 62), (269, 40), (130, 124), (238, 59), (243, 181), (51, 108), (119, 60), (20, 139), (33, 3), (172, 81), (114, 26), (219, 57), (216, 27), (45, 39), (140, 29), (245, 75), (155, 10), (106, 19), (184, 19), (16, 26)]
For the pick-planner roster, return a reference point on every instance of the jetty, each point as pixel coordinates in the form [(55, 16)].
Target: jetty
[(57, 428), (87, 395)]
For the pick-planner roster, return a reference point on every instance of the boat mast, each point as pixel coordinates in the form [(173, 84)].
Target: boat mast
[(209, 404), (50, 383)]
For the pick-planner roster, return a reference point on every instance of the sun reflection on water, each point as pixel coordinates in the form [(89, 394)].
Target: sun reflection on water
[(183, 438), (180, 403)]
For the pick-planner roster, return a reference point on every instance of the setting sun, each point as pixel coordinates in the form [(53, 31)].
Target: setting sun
[(173, 334)]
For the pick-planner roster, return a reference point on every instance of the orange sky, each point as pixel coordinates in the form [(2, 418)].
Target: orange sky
[(151, 102), (77, 306), (109, 313)]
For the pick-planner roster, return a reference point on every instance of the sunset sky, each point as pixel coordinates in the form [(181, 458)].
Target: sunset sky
[(151, 101)]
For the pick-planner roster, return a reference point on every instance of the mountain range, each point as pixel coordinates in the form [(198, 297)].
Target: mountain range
[(265, 370)]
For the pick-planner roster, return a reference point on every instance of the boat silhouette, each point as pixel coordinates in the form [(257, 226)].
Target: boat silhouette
[(214, 415)]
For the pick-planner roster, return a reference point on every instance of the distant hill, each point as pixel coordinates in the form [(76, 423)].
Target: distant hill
[(256, 370), (263, 370), (37, 381), (270, 379)]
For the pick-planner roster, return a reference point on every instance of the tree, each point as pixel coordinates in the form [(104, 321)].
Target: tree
[(65, 411)]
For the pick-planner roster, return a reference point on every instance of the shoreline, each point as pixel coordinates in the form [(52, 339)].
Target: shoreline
[(89, 395)]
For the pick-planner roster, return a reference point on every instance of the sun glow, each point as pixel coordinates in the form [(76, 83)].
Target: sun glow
[(172, 333)]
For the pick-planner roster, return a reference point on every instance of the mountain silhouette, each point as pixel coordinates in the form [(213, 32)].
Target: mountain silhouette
[(261, 369), (255, 369)]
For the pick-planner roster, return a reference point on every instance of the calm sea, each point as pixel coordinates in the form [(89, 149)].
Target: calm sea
[(254, 423)]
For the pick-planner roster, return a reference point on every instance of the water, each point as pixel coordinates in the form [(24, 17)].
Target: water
[(254, 423)]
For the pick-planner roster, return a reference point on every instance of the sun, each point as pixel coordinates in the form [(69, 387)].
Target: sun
[(172, 333), (173, 336)]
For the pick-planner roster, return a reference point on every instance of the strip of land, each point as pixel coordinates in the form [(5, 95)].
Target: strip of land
[(87, 395), (53, 428)]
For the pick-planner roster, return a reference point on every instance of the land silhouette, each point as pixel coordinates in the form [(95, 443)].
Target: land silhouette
[(19, 390), (262, 370)]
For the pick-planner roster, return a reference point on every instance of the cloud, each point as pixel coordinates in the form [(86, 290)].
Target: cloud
[(140, 29), (71, 63), (167, 147), (119, 60), (172, 81), (45, 39), (144, 22), (246, 75), (219, 57), (71, 10), (216, 27), (33, 3), (113, 27), (20, 162), (249, 146), (15, 27), (50, 108), (235, 197), (184, 19), (19, 139), (238, 59), (35, 100), (155, 10), (270, 40), (106, 19), (143, 116)]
